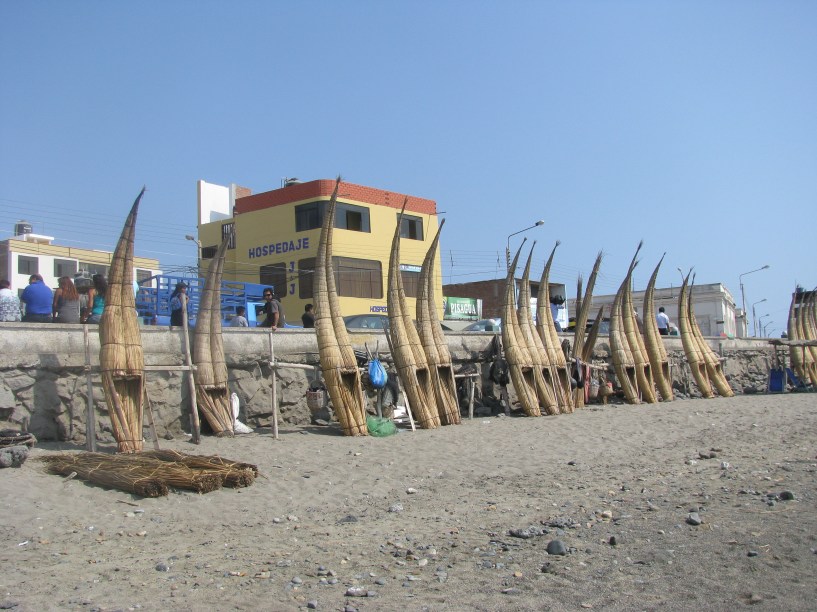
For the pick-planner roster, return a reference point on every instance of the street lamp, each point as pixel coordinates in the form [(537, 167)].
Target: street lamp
[(765, 335), (198, 244), (508, 248), (743, 294), (760, 323), (754, 317)]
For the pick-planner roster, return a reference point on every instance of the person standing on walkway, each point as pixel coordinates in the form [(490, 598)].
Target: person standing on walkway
[(178, 303), (272, 308), (65, 306), (96, 299), (663, 322), (38, 298), (308, 317), (239, 320), (9, 303)]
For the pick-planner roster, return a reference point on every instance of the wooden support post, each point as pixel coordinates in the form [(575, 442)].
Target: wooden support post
[(471, 386), (90, 414), (274, 393), (191, 383), (151, 421)]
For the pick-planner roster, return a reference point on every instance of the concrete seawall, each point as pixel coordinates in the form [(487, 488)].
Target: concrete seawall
[(43, 386)]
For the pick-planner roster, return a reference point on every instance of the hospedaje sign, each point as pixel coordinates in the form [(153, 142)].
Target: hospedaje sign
[(462, 309)]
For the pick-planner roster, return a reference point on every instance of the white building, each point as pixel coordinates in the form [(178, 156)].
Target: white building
[(713, 304), (28, 253)]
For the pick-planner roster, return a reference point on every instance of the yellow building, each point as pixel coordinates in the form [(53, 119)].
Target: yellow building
[(274, 240), (29, 253)]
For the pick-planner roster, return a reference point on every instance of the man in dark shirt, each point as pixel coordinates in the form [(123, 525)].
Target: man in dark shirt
[(308, 317), (38, 299), (273, 310)]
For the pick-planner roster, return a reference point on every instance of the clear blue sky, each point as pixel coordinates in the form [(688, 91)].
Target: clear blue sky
[(690, 125)]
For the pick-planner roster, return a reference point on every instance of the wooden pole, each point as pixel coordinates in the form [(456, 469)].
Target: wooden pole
[(194, 408), (90, 414), (151, 422), (274, 392)]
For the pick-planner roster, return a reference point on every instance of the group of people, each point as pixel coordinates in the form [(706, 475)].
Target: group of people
[(273, 310), (273, 313), (42, 305)]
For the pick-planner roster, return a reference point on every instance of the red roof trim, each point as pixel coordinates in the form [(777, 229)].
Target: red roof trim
[(323, 189)]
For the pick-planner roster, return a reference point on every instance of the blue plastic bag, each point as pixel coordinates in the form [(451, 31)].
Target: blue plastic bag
[(377, 374)]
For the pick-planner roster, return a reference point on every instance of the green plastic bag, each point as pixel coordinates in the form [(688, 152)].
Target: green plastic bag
[(380, 427)]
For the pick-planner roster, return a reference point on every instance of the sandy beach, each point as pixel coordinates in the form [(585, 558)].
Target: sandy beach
[(458, 518)]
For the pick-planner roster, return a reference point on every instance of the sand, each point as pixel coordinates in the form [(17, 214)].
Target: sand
[(319, 523)]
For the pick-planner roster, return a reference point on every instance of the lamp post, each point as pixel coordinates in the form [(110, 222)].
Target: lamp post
[(743, 294), (765, 335), (198, 245), (508, 248), (760, 323), (754, 317)]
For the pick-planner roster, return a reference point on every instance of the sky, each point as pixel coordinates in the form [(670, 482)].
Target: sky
[(689, 125)]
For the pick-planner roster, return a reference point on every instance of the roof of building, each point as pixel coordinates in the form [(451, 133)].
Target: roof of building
[(323, 188)]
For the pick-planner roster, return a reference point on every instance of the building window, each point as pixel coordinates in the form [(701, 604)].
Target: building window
[(275, 276), (411, 282), (358, 277), (411, 227), (208, 252), (142, 276), (65, 267), (93, 268), (27, 265), (309, 216), (353, 218), (228, 231), (306, 278)]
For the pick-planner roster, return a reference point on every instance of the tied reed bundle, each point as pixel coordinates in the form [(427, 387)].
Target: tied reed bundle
[(545, 389), (212, 395), (136, 471), (338, 362), (520, 365), (120, 355), (643, 370), (656, 351), (97, 469), (433, 340), (546, 329), (404, 340), (234, 473), (692, 349)]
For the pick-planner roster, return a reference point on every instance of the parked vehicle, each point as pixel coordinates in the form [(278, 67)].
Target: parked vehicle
[(367, 321), (153, 299), (494, 325)]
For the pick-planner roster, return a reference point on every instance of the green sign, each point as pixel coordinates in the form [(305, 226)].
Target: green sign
[(462, 309)]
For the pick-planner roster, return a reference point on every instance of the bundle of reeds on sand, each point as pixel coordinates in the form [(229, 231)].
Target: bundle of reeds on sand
[(643, 370), (546, 329), (545, 389), (338, 361), (406, 348), (582, 315), (137, 471), (692, 349), (714, 367), (802, 325), (120, 355), (234, 473), (520, 365), (656, 351), (433, 340), (212, 393), (622, 358), (98, 469)]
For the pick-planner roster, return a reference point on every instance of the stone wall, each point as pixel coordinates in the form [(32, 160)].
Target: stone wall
[(44, 390)]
